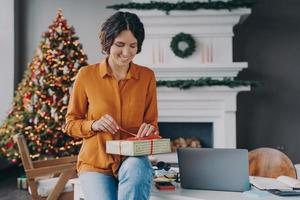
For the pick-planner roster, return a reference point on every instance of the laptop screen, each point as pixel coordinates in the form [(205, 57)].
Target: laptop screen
[(214, 169)]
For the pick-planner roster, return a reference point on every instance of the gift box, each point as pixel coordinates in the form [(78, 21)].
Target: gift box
[(138, 147), (22, 183)]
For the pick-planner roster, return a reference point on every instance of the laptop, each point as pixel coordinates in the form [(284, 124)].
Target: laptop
[(214, 169)]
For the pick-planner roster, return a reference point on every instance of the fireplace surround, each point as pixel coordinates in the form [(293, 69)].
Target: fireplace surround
[(213, 32)]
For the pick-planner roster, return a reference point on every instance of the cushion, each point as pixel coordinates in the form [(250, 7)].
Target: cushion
[(45, 186)]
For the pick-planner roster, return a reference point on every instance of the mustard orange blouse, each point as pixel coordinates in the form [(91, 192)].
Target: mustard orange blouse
[(95, 93)]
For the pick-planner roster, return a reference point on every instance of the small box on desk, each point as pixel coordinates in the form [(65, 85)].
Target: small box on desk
[(138, 147)]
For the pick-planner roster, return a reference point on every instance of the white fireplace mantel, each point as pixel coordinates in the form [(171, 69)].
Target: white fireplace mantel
[(195, 71), (213, 32)]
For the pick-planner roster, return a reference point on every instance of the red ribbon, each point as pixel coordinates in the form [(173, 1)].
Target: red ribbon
[(151, 147), (151, 138)]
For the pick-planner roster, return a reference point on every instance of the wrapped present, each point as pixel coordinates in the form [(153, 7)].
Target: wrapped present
[(139, 146), (22, 183)]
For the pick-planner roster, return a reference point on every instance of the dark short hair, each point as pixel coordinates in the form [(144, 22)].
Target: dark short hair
[(117, 23)]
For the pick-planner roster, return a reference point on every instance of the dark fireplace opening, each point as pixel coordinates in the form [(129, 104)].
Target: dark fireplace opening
[(200, 130)]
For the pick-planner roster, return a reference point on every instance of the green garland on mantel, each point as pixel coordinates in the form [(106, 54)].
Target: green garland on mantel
[(182, 5), (201, 82)]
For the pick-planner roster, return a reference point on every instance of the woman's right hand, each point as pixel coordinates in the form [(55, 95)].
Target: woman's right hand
[(107, 124)]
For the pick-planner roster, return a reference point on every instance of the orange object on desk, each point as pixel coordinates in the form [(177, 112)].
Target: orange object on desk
[(164, 185)]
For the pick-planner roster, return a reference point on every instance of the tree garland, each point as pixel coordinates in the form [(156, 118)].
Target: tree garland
[(167, 7), (186, 38), (201, 82)]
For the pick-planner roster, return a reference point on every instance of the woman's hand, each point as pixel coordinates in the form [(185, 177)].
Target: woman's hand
[(106, 124), (146, 130)]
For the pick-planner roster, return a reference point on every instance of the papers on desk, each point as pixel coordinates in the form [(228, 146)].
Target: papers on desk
[(280, 183), (166, 176)]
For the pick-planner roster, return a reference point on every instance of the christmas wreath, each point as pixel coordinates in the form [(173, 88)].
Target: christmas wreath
[(183, 45)]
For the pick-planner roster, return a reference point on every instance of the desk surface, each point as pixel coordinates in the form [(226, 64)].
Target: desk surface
[(184, 194)]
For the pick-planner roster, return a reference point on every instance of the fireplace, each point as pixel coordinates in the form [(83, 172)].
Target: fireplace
[(214, 105), (200, 131)]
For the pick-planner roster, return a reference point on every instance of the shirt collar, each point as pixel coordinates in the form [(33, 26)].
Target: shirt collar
[(106, 71)]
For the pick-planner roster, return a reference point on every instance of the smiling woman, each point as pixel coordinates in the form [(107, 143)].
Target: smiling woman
[(122, 52), (114, 95)]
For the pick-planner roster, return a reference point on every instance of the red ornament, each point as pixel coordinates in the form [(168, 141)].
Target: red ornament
[(49, 100), (10, 144), (49, 131), (27, 96)]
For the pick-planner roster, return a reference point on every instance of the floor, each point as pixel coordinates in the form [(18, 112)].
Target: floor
[(8, 185)]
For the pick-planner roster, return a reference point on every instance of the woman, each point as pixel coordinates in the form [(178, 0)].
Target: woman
[(107, 98)]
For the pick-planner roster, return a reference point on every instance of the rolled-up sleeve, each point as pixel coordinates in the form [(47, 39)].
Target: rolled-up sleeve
[(77, 124), (151, 112)]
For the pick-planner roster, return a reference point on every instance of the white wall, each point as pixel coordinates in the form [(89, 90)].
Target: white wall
[(6, 55)]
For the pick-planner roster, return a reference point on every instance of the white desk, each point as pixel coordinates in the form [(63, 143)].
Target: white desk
[(183, 194)]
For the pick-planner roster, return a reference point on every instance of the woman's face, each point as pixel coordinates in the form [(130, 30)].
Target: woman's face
[(123, 49)]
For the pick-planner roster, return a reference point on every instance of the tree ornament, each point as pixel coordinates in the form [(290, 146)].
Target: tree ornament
[(27, 98), (183, 45)]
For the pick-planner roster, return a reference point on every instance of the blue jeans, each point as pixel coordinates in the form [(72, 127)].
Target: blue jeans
[(134, 182)]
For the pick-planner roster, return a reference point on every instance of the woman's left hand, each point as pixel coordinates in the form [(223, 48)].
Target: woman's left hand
[(146, 130)]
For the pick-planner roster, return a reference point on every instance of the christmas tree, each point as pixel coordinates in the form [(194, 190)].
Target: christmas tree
[(40, 101)]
